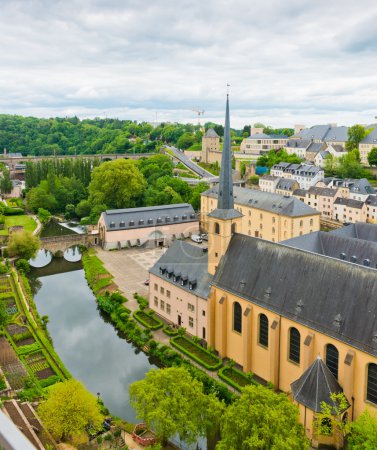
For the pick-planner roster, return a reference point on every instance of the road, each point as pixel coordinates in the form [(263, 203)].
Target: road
[(190, 164)]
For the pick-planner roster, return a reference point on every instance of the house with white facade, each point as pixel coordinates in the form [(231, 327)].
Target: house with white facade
[(306, 175)]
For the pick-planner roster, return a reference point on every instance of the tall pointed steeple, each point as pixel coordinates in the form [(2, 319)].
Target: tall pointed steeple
[(224, 220)]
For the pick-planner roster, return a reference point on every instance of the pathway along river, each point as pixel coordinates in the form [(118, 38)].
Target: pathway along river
[(88, 345)]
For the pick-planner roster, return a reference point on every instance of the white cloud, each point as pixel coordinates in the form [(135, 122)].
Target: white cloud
[(287, 62)]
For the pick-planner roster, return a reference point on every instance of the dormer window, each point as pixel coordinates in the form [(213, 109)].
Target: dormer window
[(131, 223), (159, 220), (122, 224), (141, 222), (112, 224), (184, 217), (176, 218), (167, 219), (192, 216), (150, 221), (162, 270)]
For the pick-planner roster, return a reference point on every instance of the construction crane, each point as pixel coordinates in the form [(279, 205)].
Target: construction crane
[(199, 113)]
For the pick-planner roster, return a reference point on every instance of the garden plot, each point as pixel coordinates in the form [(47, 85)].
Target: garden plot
[(12, 367), (14, 328), (39, 365), (5, 286), (10, 306)]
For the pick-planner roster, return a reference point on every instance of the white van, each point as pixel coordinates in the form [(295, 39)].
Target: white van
[(196, 238)]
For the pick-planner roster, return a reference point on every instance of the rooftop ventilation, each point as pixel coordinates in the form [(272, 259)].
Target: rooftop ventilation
[(159, 220), (353, 259), (299, 306), (112, 224), (176, 218), (338, 320), (150, 220)]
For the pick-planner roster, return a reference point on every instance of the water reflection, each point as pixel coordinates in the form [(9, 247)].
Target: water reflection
[(89, 346), (72, 254), (53, 228), (42, 258)]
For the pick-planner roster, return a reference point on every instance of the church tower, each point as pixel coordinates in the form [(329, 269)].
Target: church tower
[(224, 220), (210, 143)]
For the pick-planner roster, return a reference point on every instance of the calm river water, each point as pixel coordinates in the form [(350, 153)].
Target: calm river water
[(89, 347)]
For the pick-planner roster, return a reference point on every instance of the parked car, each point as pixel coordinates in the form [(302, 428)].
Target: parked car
[(146, 282), (204, 237), (196, 238)]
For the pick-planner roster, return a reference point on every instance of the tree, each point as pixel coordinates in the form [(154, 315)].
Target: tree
[(39, 198), (363, 434), (186, 140), (43, 215), (171, 402), (6, 183), (69, 408), (261, 419), (372, 157), (83, 209), (118, 184), (330, 421), (23, 244), (355, 135), (350, 167)]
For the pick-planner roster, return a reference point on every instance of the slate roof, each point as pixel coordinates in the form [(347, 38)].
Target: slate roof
[(325, 133), (371, 138), (358, 230), (267, 136), (324, 153), (300, 192), (315, 147), (266, 201), (372, 200), (211, 133), (331, 296), (345, 247), (270, 177), (187, 261), (151, 216), (349, 202), (337, 147), (316, 385), (286, 184), (326, 192), (337, 134), (298, 143), (355, 185)]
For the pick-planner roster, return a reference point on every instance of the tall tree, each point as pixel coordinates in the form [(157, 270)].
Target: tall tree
[(117, 184), (363, 434), (69, 408), (372, 157), (6, 183), (23, 244), (171, 402), (261, 419), (356, 134)]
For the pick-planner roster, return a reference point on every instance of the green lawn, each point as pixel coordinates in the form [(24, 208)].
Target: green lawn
[(27, 222)]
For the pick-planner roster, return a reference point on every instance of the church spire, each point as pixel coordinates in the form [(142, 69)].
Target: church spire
[(225, 198)]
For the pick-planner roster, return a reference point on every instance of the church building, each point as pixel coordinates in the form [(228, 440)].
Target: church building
[(300, 314)]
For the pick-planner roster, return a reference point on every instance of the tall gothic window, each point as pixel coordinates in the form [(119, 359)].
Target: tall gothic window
[(294, 345), (237, 317), (263, 330), (372, 383), (217, 228), (332, 359), (233, 228)]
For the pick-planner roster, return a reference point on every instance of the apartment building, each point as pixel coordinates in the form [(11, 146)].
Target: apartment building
[(259, 143), (306, 175), (366, 146), (348, 210)]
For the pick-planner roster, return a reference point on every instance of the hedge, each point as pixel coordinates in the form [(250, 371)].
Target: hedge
[(224, 375), (196, 352), (170, 331), (148, 320)]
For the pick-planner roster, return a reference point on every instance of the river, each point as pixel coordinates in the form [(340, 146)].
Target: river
[(89, 347)]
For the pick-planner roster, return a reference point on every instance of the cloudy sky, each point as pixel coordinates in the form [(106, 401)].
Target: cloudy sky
[(292, 61)]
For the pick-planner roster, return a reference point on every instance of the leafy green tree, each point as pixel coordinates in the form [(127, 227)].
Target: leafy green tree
[(186, 140), (261, 419), (6, 183), (69, 408), (196, 194), (350, 167), (171, 402), (83, 208), (118, 184), (356, 134), (38, 198), (23, 265), (44, 215), (23, 244), (330, 421), (275, 157), (372, 157), (363, 433)]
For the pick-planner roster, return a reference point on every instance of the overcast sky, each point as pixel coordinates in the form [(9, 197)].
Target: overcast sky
[(292, 61)]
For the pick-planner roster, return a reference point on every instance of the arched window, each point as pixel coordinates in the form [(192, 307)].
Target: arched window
[(301, 223), (237, 317), (332, 359), (294, 345), (233, 228), (372, 383), (217, 228), (263, 330)]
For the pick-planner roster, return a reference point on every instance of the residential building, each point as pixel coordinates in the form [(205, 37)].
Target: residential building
[(297, 147), (269, 216), (366, 146), (320, 158), (150, 226), (268, 183), (372, 209), (329, 134), (356, 189), (313, 150), (259, 143), (306, 175), (348, 210), (277, 185)]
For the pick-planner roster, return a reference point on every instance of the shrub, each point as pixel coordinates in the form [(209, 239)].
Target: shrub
[(25, 349), (196, 352), (8, 211), (148, 320), (2, 383), (23, 265), (142, 301), (20, 337), (235, 377), (170, 331), (49, 381)]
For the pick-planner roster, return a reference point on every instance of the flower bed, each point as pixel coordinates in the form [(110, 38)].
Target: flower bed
[(170, 331), (196, 352), (148, 320), (235, 377)]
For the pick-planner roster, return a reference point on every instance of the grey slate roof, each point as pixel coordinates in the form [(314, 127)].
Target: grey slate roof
[(316, 385), (150, 216), (358, 230), (372, 200), (339, 246), (325, 133), (355, 185), (334, 297), (300, 192), (298, 143), (211, 133), (326, 192), (286, 184), (371, 138), (324, 153), (278, 204), (188, 261), (337, 134), (349, 202), (270, 177), (315, 147), (267, 136)]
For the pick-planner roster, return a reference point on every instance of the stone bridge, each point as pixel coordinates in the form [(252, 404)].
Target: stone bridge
[(58, 244)]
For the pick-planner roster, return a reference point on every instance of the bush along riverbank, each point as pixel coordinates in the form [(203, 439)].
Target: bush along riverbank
[(113, 305)]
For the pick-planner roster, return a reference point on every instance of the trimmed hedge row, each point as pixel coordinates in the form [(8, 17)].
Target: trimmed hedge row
[(170, 331), (226, 373), (148, 320), (196, 352)]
